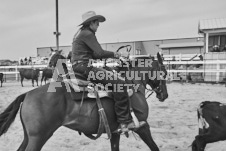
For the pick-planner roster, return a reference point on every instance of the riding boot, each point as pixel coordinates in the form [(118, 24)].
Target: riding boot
[(122, 109)]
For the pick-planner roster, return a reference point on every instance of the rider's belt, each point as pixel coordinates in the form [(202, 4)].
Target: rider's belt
[(79, 61)]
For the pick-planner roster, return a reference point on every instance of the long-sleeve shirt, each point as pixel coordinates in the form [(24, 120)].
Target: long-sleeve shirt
[(85, 46)]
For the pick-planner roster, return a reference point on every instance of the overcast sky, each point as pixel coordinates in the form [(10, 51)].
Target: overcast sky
[(28, 24)]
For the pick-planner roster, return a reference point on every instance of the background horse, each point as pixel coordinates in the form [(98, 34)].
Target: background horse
[(32, 74), (47, 73), (48, 107), (1, 78)]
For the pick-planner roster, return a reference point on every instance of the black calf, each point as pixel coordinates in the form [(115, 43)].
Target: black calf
[(212, 124)]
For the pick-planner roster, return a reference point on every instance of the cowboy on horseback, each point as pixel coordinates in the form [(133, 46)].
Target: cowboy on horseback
[(85, 47)]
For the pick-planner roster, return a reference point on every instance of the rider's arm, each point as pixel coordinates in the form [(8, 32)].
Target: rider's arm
[(98, 52)]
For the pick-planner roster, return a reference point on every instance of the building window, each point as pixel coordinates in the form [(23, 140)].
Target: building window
[(223, 42), (217, 43)]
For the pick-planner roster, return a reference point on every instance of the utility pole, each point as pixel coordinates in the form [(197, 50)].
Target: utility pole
[(57, 33)]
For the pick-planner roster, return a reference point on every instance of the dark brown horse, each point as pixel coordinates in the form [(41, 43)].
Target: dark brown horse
[(48, 107)]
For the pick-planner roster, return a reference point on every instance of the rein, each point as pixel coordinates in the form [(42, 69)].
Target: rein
[(157, 89), (149, 90)]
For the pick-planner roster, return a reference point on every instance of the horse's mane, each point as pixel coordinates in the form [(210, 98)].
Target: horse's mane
[(55, 57), (141, 57)]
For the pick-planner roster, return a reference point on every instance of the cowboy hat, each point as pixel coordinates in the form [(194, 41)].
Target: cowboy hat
[(90, 16)]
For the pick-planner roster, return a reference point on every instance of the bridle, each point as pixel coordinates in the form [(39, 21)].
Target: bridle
[(60, 74), (157, 89)]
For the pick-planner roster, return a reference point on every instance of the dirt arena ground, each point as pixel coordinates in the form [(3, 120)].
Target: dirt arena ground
[(173, 123)]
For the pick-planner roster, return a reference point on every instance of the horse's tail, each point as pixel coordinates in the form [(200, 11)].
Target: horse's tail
[(9, 115)]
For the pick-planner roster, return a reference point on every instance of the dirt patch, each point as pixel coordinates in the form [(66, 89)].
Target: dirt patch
[(173, 123)]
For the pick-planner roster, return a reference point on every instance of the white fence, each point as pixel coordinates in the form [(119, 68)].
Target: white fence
[(218, 67)]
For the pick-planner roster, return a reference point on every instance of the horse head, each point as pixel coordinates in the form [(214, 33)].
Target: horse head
[(54, 58), (59, 63), (152, 72), (158, 84)]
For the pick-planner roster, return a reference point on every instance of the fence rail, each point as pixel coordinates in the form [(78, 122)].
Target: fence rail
[(217, 67)]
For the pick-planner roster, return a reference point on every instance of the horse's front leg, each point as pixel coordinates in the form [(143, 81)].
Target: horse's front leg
[(115, 142), (145, 134)]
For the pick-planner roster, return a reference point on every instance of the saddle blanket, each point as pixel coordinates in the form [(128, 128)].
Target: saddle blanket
[(85, 92)]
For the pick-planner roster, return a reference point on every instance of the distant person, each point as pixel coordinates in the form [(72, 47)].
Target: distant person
[(25, 61), (200, 57), (30, 61), (162, 57), (21, 62), (173, 65), (216, 48), (224, 49)]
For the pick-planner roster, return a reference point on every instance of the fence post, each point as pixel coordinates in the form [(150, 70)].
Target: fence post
[(5, 75), (218, 72), (16, 74)]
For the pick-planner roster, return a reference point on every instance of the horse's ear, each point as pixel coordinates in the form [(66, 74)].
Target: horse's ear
[(149, 55), (159, 58), (59, 51), (51, 49)]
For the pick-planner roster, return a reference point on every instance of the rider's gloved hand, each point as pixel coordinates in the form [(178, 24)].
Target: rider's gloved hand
[(125, 55), (118, 55)]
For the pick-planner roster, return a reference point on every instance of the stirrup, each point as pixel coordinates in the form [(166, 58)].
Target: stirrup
[(119, 131), (130, 92), (131, 127)]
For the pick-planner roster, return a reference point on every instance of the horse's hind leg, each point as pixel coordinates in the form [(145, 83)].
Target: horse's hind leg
[(145, 134), (115, 142), (25, 141), (36, 142)]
